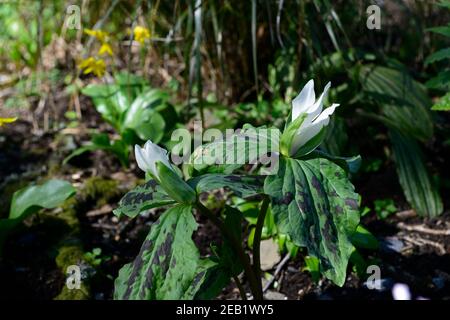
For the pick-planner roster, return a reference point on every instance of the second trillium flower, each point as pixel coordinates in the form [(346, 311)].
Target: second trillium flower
[(306, 130), (154, 160)]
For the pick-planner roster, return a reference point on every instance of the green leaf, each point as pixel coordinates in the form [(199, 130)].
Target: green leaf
[(315, 204), (168, 265), (227, 155), (242, 186), (443, 104), (444, 30), (143, 116), (438, 56), (147, 196), (417, 186), (350, 164), (312, 266), (228, 264), (403, 101), (174, 185), (31, 199), (101, 142), (441, 81), (362, 238)]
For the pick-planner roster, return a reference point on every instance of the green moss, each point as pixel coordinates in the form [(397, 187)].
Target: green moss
[(69, 214), (68, 255), (74, 294), (101, 190)]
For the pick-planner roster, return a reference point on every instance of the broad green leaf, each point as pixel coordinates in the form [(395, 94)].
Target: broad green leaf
[(144, 197), (403, 101), (231, 153), (143, 116), (168, 265), (33, 198), (315, 204), (417, 186), (243, 186), (350, 164)]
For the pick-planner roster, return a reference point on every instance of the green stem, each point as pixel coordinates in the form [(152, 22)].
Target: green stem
[(243, 257), (257, 241)]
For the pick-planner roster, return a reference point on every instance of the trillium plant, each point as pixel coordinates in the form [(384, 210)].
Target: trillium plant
[(308, 198)]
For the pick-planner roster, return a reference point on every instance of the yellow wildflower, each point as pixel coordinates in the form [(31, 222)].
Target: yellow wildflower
[(141, 33), (105, 48), (92, 65), (100, 35), (6, 120)]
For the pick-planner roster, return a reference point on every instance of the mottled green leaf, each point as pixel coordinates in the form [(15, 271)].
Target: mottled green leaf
[(144, 197), (315, 204), (168, 265), (242, 186), (229, 154)]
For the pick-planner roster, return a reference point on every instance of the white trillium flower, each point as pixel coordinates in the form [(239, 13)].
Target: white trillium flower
[(315, 117), (147, 157)]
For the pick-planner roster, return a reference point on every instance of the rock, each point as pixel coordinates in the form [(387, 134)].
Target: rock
[(269, 254), (274, 295)]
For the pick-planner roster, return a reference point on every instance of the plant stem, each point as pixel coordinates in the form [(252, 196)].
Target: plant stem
[(243, 257), (240, 287), (257, 241)]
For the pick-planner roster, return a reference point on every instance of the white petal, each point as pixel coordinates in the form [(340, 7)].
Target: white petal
[(147, 157), (401, 291), (317, 107), (304, 135), (309, 130), (325, 115), (304, 100), (138, 152)]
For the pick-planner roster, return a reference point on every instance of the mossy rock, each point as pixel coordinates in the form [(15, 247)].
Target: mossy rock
[(100, 190)]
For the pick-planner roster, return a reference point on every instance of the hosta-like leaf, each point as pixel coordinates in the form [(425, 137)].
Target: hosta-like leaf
[(144, 197), (168, 265), (414, 179), (242, 186), (32, 199), (315, 204)]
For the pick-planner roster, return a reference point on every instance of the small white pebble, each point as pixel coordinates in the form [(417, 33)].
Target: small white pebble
[(400, 291)]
